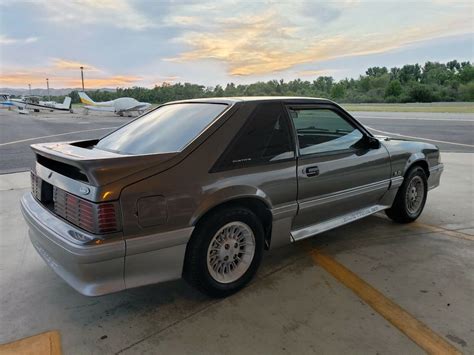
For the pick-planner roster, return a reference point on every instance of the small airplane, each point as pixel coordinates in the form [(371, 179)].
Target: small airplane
[(120, 106), (5, 100), (36, 104)]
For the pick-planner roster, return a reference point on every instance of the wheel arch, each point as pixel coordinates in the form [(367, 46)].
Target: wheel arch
[(417, 160), (256, 203)]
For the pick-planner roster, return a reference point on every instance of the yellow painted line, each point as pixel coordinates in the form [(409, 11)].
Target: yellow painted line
[(435, 229), (48, 343), (417, 331), (451, 233)]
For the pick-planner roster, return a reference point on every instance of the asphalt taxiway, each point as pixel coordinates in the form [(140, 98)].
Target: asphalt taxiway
[(451, 132)]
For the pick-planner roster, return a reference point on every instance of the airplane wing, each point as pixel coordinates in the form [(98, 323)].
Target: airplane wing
[(141, 107), (48, 106), (100, 108)]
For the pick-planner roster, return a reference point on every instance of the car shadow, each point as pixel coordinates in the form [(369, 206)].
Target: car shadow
[(149, 309)]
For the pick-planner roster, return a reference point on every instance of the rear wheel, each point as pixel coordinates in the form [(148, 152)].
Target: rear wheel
[(224, 252), (411, 197)]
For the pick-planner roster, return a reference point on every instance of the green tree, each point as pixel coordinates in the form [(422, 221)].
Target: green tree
[(410, 73), (394, 89), (338, 91), (420, 93), (432, 81), (376, 71)]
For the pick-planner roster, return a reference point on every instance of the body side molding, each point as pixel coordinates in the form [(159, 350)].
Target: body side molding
[(321, 227)]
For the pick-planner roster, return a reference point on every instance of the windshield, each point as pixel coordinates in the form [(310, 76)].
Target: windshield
[(167, 129)]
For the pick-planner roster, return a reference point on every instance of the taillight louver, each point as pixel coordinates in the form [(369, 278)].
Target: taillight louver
[(35, 186), (97, 218), (107, 218)]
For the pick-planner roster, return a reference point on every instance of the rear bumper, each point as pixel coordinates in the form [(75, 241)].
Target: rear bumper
[(99, 269), (92, 270), (435, 176)]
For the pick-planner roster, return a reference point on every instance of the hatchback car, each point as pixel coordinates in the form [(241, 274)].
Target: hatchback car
[(200, 188)]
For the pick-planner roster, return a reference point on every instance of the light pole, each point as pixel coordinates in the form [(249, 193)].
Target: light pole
[(47, 85), (82, 77), (29, 89)]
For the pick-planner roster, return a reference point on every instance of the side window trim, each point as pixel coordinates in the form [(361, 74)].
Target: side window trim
[(219, 166), (291, 130), (333, 107), (344, 115)]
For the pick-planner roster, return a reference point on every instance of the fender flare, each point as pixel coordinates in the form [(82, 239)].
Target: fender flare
[(228, 194), (416, 158)]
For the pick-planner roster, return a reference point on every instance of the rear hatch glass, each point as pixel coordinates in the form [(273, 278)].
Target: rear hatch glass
[(167, 129)]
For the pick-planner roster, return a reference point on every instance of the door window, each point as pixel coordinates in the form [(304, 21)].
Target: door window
[(323, 130)]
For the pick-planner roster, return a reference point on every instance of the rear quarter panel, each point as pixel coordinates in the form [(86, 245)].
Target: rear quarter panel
[(190, 190)]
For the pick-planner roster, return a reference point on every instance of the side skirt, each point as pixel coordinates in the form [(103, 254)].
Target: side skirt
[(317, 228)]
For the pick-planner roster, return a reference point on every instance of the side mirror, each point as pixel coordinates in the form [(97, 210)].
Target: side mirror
[(372, 142)]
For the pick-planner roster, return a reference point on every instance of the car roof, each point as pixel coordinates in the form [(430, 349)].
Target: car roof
[(233, 100)]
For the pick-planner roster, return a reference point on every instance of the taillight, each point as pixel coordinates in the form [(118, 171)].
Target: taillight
[(97, 218), (107, 218)]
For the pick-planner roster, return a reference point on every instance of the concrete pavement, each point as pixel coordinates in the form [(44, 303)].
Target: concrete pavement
[(293, 306)]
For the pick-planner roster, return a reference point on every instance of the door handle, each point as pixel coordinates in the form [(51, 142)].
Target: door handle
[(311, 171)]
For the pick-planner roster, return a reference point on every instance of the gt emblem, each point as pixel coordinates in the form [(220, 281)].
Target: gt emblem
[(84, 190)]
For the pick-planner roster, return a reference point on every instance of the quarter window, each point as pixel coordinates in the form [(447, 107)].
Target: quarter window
[(169, 128), (264, 138), (323, 130)]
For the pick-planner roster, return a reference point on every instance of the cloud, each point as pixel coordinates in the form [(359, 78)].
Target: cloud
[(324, 13), (59, 73), (5, 40), (116, 13), (265, 43), (36, 78), (183, 20), (64, 64)]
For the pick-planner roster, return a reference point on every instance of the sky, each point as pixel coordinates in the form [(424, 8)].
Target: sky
[(122, 43)]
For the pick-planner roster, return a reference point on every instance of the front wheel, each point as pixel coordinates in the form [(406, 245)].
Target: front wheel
[(224, 252), (411, 197)]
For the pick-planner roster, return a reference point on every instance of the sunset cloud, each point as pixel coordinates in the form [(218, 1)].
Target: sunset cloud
[(183, 20), (64, 64), (143, 43), (38, 79), (60, 74), (265, 44)]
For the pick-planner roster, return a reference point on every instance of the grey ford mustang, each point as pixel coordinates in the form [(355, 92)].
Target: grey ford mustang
[(200, 188)]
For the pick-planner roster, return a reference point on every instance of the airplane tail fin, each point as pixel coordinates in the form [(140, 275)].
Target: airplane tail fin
[(67, 102), (86, 100)]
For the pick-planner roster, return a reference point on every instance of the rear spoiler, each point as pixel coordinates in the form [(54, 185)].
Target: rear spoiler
[(81, 161)]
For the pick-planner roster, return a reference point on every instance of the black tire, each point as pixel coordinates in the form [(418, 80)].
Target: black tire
[(400, 211), (195, 269)]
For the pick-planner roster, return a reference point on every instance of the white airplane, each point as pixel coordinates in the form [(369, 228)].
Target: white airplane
[(33, 102), (119, 106)]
